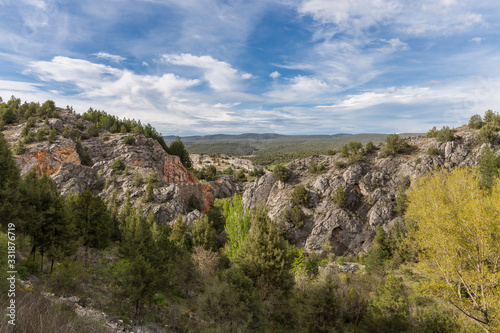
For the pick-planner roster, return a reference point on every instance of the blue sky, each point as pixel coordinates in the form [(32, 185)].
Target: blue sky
[(283, 66)]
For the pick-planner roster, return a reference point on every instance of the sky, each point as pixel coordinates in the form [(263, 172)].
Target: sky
[(196, 67)]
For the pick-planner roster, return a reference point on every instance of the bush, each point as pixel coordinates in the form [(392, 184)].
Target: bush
[(370, 147), (129, 140), (19, 148), (432, 132), (442, 135), (228, 171), (445, 134), (316, 168), (340, 164), (294, 216), (281, 173), (194, 203), (394, 144), (486, 134), (340, 196), (432, 150), (300, 196), (476, 122), (118, 165), (83, 154), (240, 175), (92, 131)]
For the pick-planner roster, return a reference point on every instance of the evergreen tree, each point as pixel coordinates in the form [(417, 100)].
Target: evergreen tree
[(45, 220), (204, 234), (149, 195), (177, 148), (488, 167), (9, 182), (179, 234), (300, 196), (389, 309), (90, 215), (486, 134), (265, 257)]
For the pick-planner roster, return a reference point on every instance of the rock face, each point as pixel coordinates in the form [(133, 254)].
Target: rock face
[(144, 158), (371, 188)]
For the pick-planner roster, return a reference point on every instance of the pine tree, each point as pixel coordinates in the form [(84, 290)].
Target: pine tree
[(204, 234), (51, 231), (488, 167), (90, 215), (265, 257), (149, 195), (9, 183), (179, 234), (177, 148)]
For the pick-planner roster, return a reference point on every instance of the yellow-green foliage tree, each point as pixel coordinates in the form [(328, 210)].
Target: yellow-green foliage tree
[(458, 232)]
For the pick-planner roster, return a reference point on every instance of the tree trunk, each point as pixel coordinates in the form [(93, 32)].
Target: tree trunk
[(41, 262), (51, 265)]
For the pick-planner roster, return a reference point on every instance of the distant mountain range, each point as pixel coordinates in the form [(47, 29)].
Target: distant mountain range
[(272, 136), (271, 143)]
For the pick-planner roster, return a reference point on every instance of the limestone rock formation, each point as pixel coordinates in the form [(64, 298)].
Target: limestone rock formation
[(371, 189), (143, 160)]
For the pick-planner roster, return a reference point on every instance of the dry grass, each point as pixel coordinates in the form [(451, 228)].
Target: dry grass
[(35, 314)]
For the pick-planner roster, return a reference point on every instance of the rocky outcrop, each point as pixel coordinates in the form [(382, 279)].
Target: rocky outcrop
[(143, 159), (48, 158), (371, 188)]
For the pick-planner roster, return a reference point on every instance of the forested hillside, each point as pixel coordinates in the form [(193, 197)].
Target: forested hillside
[(112, 232)]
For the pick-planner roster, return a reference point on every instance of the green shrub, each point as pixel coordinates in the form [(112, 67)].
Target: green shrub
[(476, 122), (445, 134), (317, 168), (340, 164), (432, 150), (118, 165), (340, 196), (194, 203), (92, 131), (30, 137), (432, 132), (281, 173), (294, 216), (394, 144), (138, 180), (129, 140), (486, 134), (240, 175), (19, 148), (300, 196), (370, 147)]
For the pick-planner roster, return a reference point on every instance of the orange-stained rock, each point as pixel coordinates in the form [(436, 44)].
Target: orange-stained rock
[(208, 196), (47, 160), (175, 172)]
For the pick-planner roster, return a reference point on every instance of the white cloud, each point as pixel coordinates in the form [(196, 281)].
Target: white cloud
[(414, 18), (18, 86), (477, 40), (219, 74), (298, 89), (110, 57), (101, 81), (395, 45), (275, 75)]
